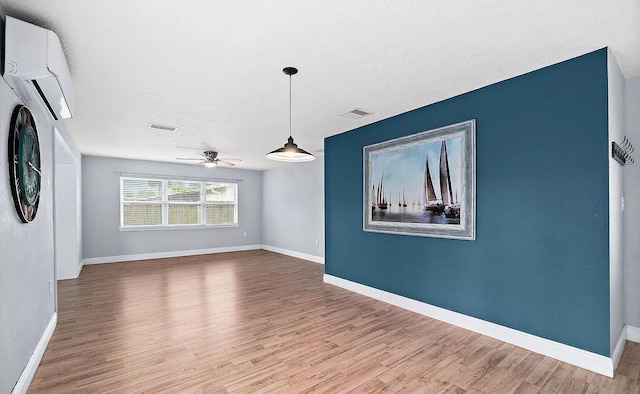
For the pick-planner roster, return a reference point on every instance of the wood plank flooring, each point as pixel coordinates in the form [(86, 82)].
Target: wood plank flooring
[(257, 321)]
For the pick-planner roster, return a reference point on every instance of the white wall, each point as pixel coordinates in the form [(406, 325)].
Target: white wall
[(101, 211), (67, 207), (616, 223), (26, 258), (293, 207), (632, 211)]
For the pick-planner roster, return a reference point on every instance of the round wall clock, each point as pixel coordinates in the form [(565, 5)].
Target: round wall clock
[(24, 163)]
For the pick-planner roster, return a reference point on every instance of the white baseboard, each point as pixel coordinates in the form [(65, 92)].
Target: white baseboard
[(617, 351), (79, 268), (162, 255), (34, 361), (633, 333), (304, 256), (569, 354)]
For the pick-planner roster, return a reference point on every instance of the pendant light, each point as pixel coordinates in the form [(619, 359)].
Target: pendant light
[(290, 151)]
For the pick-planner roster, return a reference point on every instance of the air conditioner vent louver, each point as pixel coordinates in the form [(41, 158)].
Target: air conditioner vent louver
[(161, 127)]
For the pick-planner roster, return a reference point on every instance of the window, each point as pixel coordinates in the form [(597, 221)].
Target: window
[(141, 202), (177, 203), (220, 203), (184, 202)]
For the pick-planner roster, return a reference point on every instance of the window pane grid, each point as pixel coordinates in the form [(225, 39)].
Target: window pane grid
[(141, 190), (220, 214), (220, 203), (184, 191), (168, 203), (142, 214), (184, 214)]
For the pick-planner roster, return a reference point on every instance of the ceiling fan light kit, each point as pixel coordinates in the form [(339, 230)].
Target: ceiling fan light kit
[(210, 159), (290, 151)]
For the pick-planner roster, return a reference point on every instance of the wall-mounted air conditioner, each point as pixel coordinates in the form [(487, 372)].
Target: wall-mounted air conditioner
[(36, 69)]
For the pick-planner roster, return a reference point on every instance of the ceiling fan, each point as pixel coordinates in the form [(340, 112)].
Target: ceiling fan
[(211, 159)]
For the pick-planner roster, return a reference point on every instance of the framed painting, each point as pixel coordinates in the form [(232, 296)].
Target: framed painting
[(423, 184)]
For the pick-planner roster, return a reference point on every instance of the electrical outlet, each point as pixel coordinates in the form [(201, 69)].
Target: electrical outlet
[(317, 242), (244, 234), (50, 286)]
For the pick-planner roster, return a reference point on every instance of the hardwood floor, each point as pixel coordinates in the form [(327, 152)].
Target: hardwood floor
[(258, 321)]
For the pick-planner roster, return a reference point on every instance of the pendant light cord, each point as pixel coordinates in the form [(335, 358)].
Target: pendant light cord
[(289, 105)]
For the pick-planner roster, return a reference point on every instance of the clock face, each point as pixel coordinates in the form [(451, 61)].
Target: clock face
[(24, 163)]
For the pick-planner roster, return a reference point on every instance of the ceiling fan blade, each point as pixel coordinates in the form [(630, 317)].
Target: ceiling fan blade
[(230, 159), (224, 163), (188, 158)]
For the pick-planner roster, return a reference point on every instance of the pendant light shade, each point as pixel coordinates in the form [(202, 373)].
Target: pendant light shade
[(290, 151)]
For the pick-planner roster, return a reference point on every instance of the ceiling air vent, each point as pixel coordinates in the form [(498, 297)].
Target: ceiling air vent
[(161, 127), (356, 113)]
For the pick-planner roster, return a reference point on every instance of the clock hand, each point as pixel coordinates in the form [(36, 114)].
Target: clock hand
[(35, 169)]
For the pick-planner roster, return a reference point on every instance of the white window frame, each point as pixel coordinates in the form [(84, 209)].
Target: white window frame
[(165, 204)]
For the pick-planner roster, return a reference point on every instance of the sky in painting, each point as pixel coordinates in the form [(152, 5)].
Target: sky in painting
[(404, 170)]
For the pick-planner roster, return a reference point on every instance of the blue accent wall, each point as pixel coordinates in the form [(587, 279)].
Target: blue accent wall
[(540, 261)]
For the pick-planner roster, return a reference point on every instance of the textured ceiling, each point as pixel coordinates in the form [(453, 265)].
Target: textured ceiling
[(213, 68)]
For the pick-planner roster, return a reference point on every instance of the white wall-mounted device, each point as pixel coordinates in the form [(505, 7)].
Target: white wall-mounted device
[(36, 69)]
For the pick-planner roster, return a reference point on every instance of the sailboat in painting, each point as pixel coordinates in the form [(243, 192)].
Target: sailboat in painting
[(374, 202), (446, 203), (431, 202), (451, 208), (382, 202)]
